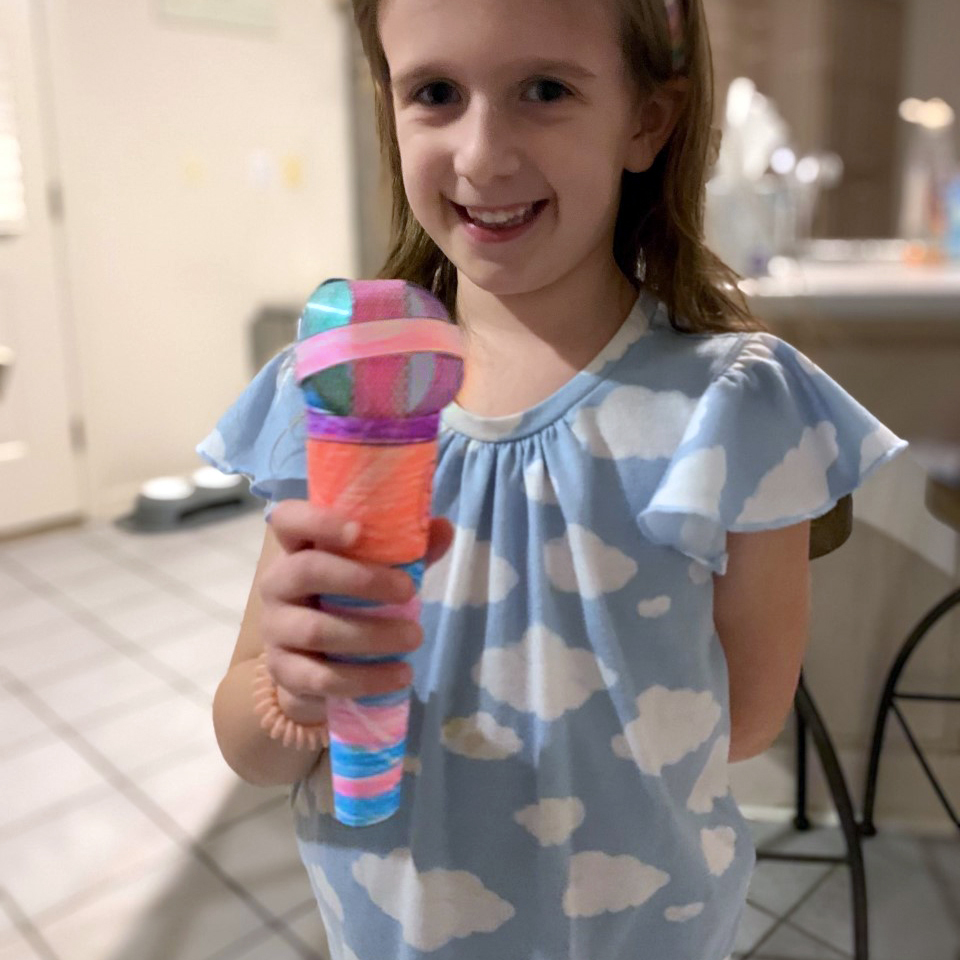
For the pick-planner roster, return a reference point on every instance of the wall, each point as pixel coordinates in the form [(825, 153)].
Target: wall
[(206, 170), (932, 66)]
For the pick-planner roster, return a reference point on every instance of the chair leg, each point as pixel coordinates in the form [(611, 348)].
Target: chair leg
[(841, 798), (800, 820), (868, 827)]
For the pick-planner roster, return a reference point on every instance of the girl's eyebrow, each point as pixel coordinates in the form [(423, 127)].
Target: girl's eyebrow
[(437, 68)]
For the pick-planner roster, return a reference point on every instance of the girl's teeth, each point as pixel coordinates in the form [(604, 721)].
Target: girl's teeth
[(501, 217)]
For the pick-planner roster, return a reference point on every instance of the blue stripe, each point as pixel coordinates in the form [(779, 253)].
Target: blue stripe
[(353, 762)]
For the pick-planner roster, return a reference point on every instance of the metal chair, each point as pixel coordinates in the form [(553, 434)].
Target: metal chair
[(943, 501), (827, 533)]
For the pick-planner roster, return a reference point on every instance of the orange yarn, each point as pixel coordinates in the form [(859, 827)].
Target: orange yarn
[(386, 489)]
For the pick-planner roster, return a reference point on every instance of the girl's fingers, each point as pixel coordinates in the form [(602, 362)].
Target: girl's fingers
[(299, 525), (441, 536), (298, 576), (309, 631), (305, 677)]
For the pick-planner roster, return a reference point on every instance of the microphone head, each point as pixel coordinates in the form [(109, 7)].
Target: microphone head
[(377, 349)]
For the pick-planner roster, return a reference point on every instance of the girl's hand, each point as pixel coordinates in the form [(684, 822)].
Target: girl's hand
[(297, 638)]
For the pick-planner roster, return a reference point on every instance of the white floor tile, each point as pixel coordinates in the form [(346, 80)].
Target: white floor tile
[(201, 792), (54, 556), (11, 589), (19, 725), (777, 886), (168, 908), (105, 587), (261, 854), (788, 943), (41, 654), (17, 948), (199, 650), (33, 613), (92, 689), (272, 948), (145, 738), (150, 617), (754, 925), (62, 860), (230, 591), (913, 890), (308, 927), (41, 778)]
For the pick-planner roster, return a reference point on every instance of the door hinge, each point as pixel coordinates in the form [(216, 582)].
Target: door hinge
[(78, 435)]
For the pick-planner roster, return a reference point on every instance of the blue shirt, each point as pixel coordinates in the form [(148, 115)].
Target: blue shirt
[(566, 793)]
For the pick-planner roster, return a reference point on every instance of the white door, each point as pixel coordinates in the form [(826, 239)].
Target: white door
[(39, 469)]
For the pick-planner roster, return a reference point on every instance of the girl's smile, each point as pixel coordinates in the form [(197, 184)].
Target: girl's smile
[(500, 224)]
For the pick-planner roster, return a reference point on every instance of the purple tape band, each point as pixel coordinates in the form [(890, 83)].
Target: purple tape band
[(325, 426)]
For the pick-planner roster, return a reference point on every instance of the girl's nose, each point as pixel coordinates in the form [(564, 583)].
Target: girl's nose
[(485, 147)]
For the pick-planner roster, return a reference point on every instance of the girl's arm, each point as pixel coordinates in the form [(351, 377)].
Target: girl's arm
[(762, 616)]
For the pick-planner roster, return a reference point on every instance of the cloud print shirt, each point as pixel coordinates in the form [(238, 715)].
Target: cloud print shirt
[(565, 794)]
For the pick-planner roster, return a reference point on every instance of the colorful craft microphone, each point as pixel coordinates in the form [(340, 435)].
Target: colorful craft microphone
[(377, 360)]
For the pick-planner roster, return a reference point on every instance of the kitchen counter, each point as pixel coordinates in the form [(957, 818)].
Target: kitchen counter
[(880, 292), (888, 332)]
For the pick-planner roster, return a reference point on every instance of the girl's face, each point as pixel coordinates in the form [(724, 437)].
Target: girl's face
[(517, 111)]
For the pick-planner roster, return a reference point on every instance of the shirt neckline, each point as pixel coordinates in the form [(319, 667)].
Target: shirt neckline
[(518, 425)]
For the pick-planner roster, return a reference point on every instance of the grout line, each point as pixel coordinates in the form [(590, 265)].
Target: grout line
[(784, 919), (117, 641), (23, 925), (175, 586), (161, 819)]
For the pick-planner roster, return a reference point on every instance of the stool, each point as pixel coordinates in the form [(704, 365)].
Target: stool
[(827, 533), (943, 501)]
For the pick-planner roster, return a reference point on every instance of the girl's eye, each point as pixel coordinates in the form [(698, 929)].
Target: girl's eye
[(437, 94), (547, 91)]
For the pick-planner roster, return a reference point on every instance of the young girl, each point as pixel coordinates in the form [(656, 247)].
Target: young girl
[(627, 478)]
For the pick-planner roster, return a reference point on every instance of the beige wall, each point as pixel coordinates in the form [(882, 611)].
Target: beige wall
[(206, 170), (932, 66)]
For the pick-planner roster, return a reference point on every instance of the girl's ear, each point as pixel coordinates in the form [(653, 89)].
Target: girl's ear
[(656, 116)]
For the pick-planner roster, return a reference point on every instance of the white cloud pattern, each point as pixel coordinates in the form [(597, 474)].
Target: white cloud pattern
[(634, 421), (713, 782), (538, 484), (480, 737), (324, 890), (799, 482), (553, 820), (435, 907), (617, 348), (601, 883), (582, 563), (541, 674), (655, 607), (469, 574), (718, 847), (684, 912), (670, 725), (695, 482)]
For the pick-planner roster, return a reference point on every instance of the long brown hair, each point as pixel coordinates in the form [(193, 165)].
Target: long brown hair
[(658, 242)]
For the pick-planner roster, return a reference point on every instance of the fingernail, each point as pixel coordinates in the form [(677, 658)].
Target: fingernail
[(351, 531)]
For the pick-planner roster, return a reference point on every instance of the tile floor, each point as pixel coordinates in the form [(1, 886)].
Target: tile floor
[(124, 836)]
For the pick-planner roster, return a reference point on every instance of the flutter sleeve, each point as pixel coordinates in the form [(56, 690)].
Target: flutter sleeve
[(772, 442), (261, 436)]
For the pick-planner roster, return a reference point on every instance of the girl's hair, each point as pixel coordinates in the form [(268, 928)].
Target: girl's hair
[(658, 241)]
